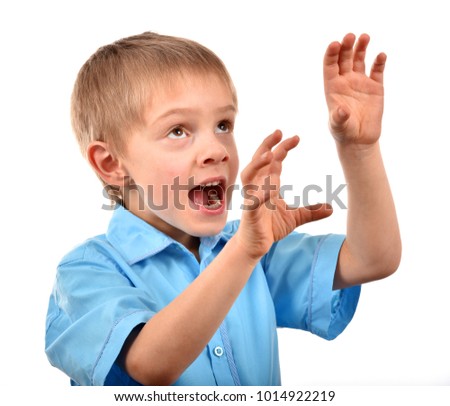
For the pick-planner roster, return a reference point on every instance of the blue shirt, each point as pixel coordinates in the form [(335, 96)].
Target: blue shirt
[(117, 281)]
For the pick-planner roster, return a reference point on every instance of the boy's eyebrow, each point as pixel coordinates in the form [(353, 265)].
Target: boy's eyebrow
[(224, 109)]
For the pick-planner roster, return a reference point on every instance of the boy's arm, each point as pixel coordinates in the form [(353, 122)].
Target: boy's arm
[(372, 248), (174, 337)]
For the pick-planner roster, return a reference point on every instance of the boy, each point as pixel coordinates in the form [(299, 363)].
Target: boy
[(172, 294)]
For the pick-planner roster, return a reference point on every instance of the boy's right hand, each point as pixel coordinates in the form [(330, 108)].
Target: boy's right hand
[(266, 217)]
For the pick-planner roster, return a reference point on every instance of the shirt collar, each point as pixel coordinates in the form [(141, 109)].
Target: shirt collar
[(136, 240)]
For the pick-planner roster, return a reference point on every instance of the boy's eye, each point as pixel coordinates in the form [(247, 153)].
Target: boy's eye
[(224, 127), (177, 133)]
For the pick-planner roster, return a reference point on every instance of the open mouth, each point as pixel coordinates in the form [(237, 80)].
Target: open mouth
[(209, 195)]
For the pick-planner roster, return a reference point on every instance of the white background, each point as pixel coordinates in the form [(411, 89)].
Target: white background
[(51, 200)]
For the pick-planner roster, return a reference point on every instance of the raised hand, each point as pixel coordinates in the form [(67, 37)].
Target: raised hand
[(266, 217), (355, 100)]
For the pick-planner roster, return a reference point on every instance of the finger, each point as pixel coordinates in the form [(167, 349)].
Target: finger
[(346, 54), (268, 143), (376, 73), (315, 212), (281, 151), (255, 165), (359, 54), (338, 119), (330, 60)]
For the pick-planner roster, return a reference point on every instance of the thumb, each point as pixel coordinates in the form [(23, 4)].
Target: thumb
[(338, 120), (315, 212)]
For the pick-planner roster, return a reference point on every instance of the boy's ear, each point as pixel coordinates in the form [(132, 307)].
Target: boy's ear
[(107, 166)]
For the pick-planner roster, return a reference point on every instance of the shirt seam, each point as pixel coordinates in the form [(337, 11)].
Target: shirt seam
[(311, 283), (100, 355), (229, 354)]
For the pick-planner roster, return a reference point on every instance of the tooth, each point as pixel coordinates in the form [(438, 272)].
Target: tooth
[(213, 206), (209, 184)]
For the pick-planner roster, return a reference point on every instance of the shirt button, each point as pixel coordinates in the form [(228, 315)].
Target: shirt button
[(218, 351)]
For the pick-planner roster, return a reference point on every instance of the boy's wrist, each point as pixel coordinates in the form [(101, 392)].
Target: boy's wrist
[(357, 152), (361, 164), (246, 255)]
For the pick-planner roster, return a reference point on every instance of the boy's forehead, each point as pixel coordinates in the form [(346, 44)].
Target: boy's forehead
[(183, 79), (175, 86)]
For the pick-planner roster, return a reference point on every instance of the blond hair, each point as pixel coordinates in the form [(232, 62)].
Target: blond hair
[(115, 84)]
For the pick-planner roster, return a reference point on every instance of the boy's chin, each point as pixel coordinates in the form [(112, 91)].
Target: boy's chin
[(208, 229)]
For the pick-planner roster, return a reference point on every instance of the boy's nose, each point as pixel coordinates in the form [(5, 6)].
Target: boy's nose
[(213, 152)]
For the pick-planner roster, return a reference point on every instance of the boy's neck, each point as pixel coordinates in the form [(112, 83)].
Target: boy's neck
[(190, 242), (194, 247)]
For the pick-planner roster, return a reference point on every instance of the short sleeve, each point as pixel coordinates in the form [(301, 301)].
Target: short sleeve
[(92, 310), (300, 271)]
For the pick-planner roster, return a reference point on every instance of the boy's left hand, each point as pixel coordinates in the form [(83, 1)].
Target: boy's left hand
[(355, 100), (266, 218)]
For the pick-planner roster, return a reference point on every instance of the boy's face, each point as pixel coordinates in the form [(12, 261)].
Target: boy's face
[(184, 161)]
